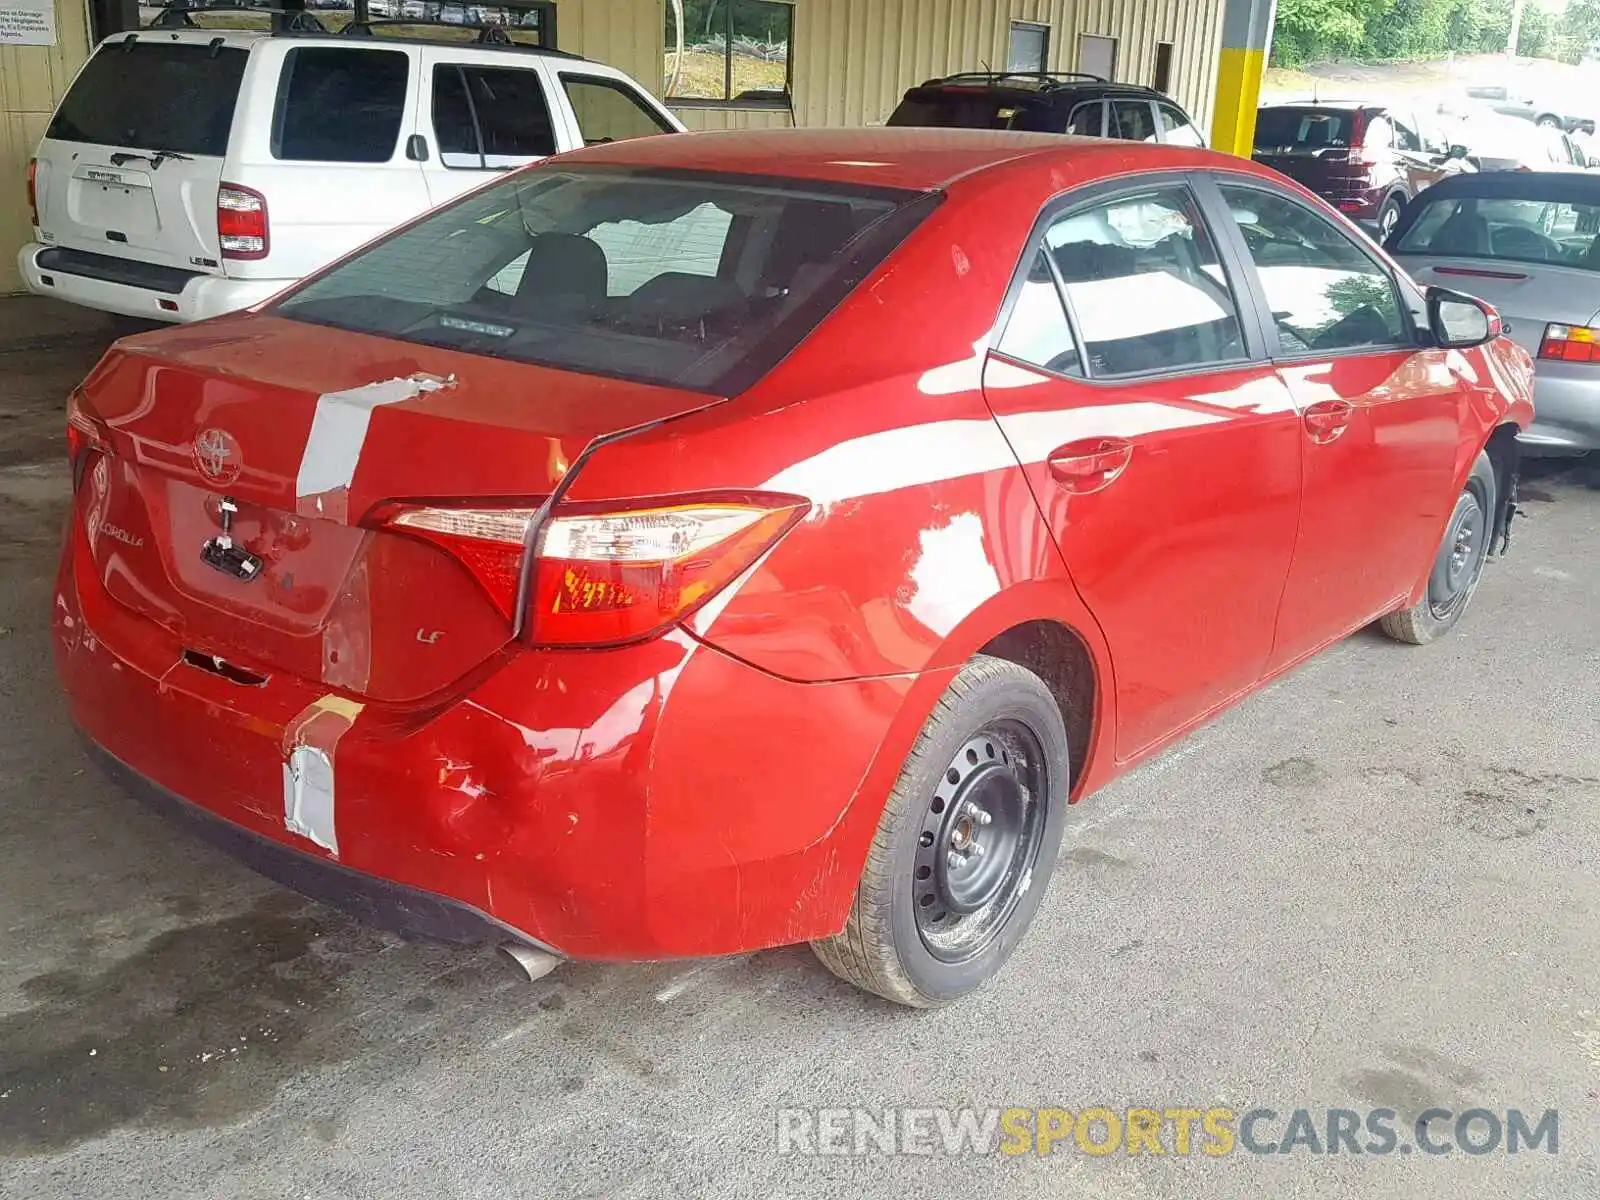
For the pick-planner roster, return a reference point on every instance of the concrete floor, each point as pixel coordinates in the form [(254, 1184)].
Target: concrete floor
[(1373, 885)]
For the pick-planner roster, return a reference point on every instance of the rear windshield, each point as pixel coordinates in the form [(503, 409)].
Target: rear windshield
[(952, 109), (1508, 229), (1288, 129), (153, 96), (690, 280)]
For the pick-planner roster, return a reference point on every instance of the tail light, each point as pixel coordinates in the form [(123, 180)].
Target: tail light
[(605, 577), (242, 222), (33, 189), (1570, 343), (86, 439)]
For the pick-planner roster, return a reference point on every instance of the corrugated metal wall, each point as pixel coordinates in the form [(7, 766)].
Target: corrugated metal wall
[(32, 80)]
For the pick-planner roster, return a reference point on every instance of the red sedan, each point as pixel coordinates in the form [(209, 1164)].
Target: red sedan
[(705, 543)]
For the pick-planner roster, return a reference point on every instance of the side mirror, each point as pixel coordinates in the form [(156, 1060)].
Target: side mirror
[(1458, 151), (1460, 322)]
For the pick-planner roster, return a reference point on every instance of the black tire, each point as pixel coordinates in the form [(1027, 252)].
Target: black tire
[(996, 735), (1457, 566), (1389, 217)]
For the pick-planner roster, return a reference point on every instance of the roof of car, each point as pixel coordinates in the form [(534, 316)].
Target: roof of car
[(1340, 105), (917, 158), (1556, 187)]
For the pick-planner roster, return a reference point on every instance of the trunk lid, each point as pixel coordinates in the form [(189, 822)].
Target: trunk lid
[(1529, 296), (130, 163), (305, 429), (1335, 173)]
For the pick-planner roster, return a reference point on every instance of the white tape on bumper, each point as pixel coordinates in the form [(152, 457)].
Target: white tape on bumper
[(339, 430)]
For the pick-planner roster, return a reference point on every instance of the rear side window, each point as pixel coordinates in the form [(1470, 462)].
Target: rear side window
[(1088, 120), (608, 111), (1146, 289), (695, 281), (490, 117), (338, 105), (1131, 121), (153, 96)]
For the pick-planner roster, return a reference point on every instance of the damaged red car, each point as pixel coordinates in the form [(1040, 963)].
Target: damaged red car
[(699, 544)]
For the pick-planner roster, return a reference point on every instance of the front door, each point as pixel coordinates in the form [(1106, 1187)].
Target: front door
[(484, 119), (1380, 424), (1160, 444)]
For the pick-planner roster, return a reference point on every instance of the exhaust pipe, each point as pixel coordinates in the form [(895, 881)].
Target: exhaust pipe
[(536, 964)]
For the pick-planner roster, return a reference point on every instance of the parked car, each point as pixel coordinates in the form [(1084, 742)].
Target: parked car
[(1529, 242), (1047, 102), (1546, 111), (1367, 160), (699, 544), (191, 172), (1504, 144)]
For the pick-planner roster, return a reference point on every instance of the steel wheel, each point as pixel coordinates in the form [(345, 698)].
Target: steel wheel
[(1457, 570), (980, 837)]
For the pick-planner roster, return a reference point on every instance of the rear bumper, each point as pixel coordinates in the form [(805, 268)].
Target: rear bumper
[(368, 898), (653, 801), (196, 299), (1566, 410)]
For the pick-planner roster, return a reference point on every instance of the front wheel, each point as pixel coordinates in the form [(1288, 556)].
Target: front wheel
[(1549, 121), (965, 845), (1457, 566)]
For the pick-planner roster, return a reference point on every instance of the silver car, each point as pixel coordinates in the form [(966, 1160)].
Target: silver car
[(1528, 242)]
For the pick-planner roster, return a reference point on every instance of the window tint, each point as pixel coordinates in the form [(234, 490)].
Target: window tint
[(1146, 289), (1131, 121), (1175, 127), (677, 279), (153, 96), (1324, 292), (490, 117), (338, 105), (1285, 129), (1037, 331), (608, 111), (1088, 120), (941, 109)]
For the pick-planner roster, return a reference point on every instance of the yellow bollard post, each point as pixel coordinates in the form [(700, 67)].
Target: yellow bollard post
[(1246, 39)]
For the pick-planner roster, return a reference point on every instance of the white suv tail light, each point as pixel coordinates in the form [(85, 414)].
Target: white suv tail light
[(242, 222)]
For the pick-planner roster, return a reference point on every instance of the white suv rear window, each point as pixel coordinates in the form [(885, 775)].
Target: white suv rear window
[(173, 96)]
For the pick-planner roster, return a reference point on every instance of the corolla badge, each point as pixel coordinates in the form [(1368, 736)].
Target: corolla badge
[(217, 455)]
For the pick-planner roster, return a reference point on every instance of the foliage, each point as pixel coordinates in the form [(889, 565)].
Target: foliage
[(1387, 30)]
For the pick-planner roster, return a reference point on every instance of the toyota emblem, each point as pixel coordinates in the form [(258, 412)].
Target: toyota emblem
[(217, 455)]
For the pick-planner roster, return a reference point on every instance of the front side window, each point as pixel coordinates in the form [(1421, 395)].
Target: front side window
[(490, 118), (1324, 293), (608, 111), (692, 281), (1529, 229), (1146, 289), (728, 51), (1176, 130), (339, 105)]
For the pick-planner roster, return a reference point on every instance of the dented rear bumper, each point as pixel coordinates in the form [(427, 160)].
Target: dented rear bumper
[(652, 801)]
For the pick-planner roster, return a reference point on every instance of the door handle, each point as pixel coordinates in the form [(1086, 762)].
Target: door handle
[(1327, 419), (1089, 464)]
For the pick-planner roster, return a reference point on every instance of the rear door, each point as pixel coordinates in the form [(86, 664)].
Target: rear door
[(130, 162), (1160, 444), (1380, 415), (1132, 121), (485, 117)]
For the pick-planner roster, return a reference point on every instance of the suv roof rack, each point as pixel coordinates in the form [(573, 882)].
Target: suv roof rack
[(1047, 78), (488, 34), (181, 15)]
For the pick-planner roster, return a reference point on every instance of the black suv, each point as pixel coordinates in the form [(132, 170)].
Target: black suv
[(1047, 102)]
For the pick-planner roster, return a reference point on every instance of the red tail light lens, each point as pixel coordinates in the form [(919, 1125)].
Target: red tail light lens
[(607, 577), (33, 189), (242, 222), (1570, 343)]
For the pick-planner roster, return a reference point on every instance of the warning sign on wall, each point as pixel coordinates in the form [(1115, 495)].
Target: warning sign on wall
[(27, 23)]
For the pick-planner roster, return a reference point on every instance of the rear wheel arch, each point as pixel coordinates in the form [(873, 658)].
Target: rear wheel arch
[(1059, 656)]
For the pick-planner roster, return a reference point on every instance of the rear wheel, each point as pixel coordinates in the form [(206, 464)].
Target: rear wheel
[(965, 845), (1389, 217), (1458, 565), (1550, 121)]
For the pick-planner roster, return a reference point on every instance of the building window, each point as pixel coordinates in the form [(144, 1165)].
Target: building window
[(728, 51), (1030, 47), (1097, 55), (1163, 80)]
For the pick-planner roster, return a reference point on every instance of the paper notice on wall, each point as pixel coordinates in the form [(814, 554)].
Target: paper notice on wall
[(27, 23)]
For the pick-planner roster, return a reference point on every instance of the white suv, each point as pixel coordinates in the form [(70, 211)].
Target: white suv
[(192, 172)]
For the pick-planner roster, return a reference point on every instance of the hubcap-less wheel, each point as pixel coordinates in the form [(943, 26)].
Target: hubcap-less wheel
[(1463, 551), (980, 836), (1387, 220)]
